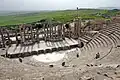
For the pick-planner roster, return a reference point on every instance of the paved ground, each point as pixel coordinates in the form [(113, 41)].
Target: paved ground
[(107, 68), (80, 64), (40, 46)]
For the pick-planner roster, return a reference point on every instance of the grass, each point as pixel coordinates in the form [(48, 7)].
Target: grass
[(62, 16)]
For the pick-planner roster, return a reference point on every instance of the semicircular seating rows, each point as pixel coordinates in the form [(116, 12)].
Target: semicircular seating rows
[(109, 36), (104, 43)]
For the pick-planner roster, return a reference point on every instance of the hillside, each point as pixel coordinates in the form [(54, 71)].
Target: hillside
[(109, 8), (62, 16)]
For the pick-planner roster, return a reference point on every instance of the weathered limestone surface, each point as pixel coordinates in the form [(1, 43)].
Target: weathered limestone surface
[(40, 48)]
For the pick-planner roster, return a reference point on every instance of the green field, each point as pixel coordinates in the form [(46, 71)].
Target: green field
[(62, 16)]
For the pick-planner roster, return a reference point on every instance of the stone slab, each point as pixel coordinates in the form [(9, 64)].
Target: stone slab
[(41, 46)]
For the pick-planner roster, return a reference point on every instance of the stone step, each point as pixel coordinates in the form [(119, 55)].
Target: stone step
[(98, 42), (109, 38), (103, 40), (87, 47), (91, 44), (115, 32), (112, 36), (87, 40), (111, 42), (117, 37), (95, 44), (26, 54), (86, 37), (41, 48), (84, 40)]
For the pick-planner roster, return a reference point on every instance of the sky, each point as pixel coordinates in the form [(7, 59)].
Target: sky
[(29, 5)]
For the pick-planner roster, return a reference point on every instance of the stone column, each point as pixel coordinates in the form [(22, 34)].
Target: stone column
[(52, 31), (44, 32), (37, 33), (3, 39), (78, 28), (16, 36), (56, 33), (77, 25), (32, 35), (70, 32), (47, 32), (24, 37), (21, 28), (63, 27), (75, 28), (27, 34), (0, 44), (59, 31), (8, 36)]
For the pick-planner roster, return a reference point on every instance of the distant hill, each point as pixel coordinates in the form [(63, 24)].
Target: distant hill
[(109, 8), (7, 13), (62, 16)]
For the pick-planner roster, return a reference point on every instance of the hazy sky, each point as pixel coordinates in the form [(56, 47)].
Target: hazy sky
[(55, 4)]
